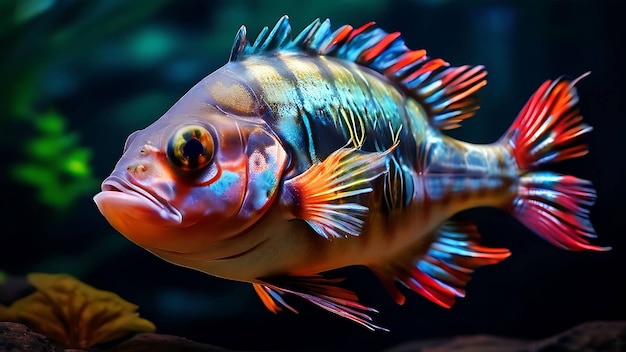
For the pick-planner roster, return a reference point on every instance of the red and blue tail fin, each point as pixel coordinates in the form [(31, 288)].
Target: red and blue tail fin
[(548, 129)]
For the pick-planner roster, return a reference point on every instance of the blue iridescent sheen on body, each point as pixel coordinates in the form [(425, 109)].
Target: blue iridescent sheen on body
[(320, 103), (326, 151)]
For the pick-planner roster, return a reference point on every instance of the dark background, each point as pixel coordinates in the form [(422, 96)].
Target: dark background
[(77, 77)]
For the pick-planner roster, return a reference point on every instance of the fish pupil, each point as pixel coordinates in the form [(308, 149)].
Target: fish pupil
[(192, 149)]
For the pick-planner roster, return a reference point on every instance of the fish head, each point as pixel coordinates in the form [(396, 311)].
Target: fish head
[(204, 172)]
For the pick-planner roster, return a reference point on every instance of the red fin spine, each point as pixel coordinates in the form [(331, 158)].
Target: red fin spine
[(373, 52), (361, 30), (405, 62), (338, 37), (417, 77), (549, 126), (548, 129)]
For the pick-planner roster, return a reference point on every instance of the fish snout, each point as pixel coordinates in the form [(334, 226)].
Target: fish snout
[(142, 163)]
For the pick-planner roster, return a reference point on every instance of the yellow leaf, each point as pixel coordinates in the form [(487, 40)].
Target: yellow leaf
[(73, 313)]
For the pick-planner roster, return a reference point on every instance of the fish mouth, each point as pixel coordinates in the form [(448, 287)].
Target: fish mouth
[(119, 196)]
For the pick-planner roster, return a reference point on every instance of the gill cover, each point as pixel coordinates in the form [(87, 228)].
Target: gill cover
[(266, 158), (266, 161), (231, 158)]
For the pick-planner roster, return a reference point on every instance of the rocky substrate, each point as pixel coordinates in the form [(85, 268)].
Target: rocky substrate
[(600, 336)]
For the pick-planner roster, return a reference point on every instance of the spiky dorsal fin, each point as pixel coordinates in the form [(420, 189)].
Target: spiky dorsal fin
[(447, 93)]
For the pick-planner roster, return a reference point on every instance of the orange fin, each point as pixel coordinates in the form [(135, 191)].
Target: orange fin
[(269, 298), (330, 195), (443, 272), (319, 291)]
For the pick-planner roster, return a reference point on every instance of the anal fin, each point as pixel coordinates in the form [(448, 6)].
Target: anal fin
[(443, 272), (319, 291)]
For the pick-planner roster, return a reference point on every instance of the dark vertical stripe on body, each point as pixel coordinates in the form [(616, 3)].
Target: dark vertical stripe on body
[(302, 118)]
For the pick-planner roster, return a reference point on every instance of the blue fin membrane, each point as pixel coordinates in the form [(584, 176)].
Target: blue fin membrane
[(443, 272)]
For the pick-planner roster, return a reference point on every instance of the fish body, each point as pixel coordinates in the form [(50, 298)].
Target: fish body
[(313, 117), (305, 155)]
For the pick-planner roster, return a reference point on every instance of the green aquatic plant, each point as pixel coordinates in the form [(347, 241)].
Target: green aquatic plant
[(74, 314), (56, 164), (40, 37)]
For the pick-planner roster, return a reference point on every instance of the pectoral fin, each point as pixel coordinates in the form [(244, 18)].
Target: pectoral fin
[(443, 272), (319, 291), (330, 195)]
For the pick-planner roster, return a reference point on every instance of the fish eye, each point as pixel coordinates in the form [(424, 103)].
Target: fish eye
[(191, 148)]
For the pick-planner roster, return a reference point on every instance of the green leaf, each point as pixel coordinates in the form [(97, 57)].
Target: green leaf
[(34, 174), (77, 163), (51, 122)]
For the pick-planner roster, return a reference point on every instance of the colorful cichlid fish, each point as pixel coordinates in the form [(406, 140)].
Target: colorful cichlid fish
[(304, 155)]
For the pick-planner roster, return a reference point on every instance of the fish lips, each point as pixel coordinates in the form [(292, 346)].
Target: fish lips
[(121, 200)]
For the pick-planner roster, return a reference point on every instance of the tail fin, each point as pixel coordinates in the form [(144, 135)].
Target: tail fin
[(547, 130)]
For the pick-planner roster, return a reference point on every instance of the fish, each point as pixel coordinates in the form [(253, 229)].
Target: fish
[(328, 149)]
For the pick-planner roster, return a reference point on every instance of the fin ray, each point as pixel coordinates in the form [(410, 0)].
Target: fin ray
[(547, 130), (329, 195), (548, 127), (320, 291), (443, 272), (551, 205)]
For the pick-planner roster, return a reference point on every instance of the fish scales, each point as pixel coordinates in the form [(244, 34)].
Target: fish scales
[(338, 103), (320, 93), (326, 150)]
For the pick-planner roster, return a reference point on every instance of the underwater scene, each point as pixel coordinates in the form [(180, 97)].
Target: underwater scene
[(324, 188)]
